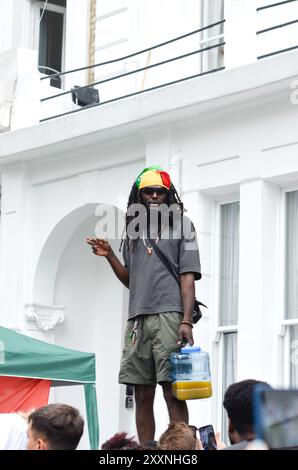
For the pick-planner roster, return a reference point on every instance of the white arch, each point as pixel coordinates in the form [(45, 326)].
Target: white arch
[(49, 259)]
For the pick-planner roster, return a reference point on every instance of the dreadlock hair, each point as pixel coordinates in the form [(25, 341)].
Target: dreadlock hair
[(135, 198)]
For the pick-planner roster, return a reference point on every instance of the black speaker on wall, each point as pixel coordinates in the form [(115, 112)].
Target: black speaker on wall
[(84, 96)]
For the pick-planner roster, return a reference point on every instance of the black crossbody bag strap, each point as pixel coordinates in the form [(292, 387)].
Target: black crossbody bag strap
[(165, 261), (168, 265)]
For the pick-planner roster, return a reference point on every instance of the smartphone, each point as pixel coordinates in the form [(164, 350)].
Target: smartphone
[(207, 437), (276, 417)]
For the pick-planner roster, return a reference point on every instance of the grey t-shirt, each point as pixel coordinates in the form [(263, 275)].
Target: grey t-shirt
[(152, 289)]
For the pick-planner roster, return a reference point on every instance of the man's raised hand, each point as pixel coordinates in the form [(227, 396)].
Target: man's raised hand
[(100, 247)]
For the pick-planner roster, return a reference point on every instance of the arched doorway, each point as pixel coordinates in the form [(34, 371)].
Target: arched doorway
[(95, 303)]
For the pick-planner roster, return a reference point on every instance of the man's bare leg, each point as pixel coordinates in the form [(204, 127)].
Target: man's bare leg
[(144, 397), (177, 409)]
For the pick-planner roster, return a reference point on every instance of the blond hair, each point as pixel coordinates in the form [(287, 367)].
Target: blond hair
[(178, 436)]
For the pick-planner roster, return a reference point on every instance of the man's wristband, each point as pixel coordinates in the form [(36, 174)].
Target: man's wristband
[(184, 322)]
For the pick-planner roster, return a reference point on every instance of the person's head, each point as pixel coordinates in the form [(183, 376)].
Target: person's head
[(120, 441), (55, 427), (238, 402), (178, 436), (153, 187)]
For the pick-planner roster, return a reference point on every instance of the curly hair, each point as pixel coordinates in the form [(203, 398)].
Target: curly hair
[(120, 441), (238, 402), (178, 436)]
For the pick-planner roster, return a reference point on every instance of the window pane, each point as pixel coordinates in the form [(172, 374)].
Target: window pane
[(229, 368), (291, 255), (229, 264), (51, 41), (294, 356)]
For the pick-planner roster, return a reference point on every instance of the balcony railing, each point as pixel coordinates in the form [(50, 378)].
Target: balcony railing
[(175, 74), (269, 42)]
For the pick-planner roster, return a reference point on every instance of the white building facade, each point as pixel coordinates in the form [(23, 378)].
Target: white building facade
[(229, 140)]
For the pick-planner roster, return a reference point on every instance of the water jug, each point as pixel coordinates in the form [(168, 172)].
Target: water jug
[(190, 373)]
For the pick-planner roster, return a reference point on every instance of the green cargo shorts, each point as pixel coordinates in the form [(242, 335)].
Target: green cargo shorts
[(146, 360)]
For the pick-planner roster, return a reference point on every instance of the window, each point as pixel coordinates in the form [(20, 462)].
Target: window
[(212, 11), (51, 31), (228, 303), (290, 321), (229, 264)]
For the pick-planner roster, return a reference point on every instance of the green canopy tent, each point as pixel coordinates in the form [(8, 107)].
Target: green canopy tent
[(26, 357)]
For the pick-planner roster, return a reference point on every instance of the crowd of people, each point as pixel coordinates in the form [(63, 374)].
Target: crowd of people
[(60, 427), (238, 403)]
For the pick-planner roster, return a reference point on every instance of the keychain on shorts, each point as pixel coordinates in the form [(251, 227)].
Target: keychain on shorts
[(134, 331)]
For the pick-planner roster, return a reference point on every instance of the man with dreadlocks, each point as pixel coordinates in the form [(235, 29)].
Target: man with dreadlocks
[(160, 310)]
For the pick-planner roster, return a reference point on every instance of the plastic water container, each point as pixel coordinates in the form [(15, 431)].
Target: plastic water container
[(190, 373)]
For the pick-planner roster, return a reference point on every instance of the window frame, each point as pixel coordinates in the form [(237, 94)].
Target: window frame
[(219, 332), (284, 324), (56, 9), (206, 58)]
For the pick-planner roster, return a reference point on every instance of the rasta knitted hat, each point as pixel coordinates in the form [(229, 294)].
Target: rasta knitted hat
[(153, 176)]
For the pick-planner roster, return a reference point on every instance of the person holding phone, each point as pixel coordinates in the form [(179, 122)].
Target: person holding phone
[(207, 439), (160, 311)]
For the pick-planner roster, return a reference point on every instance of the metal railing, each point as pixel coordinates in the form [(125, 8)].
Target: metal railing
[(276, 4), (140, 69), (278, 26)]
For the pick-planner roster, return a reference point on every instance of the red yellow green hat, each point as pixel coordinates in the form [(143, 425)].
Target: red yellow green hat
[(153, 176)]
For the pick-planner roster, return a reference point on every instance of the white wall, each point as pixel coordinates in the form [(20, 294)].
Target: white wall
[(128, 26), (76, 41), (68, 274), (93, 321), (16, 24), (19, 89), (55, 215)]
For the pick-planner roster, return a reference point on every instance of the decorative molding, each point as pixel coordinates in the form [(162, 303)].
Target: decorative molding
[(116, 42), (285, 324), (72, 172), (275, 147), (199, 100), (221, 330), (111, 13), (221, 160), (46, 317), (176, 170)]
